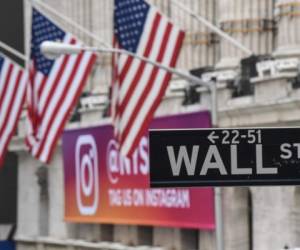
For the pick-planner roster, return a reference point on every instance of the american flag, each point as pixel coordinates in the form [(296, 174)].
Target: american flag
[(54, 87), (13, 80), (138, 87)]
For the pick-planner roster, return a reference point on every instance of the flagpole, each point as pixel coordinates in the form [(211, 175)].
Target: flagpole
[(214, 28), (69, 21)]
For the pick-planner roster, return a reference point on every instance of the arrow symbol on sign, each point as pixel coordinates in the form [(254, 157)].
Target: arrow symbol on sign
[(212, 137)]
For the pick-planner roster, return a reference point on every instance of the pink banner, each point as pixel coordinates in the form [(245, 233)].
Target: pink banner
[(101, 186)]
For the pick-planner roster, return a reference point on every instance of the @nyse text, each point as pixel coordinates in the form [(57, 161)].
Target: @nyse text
[(118, 165)]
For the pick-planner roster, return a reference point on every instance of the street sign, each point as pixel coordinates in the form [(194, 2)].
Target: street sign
[(225, 157)]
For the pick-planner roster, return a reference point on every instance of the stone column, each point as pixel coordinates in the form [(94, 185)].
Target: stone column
[(236, 218), (249, 22), (57, 226), (288, 21), (296, 217), (28, 197), (272, 217)]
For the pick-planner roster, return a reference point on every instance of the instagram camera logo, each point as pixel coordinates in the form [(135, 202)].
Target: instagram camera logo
[(87, 178)]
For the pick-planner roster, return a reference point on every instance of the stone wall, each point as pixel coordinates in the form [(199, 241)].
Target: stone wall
[(251, 23)]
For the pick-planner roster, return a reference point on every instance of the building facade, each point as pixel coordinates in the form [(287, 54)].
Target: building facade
[(256, 218)]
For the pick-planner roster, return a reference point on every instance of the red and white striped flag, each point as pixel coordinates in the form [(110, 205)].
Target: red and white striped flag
[(138, 87), (13, 80), (54, 88)]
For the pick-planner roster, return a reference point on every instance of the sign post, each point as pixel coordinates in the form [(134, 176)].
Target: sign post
[(225, 157)]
